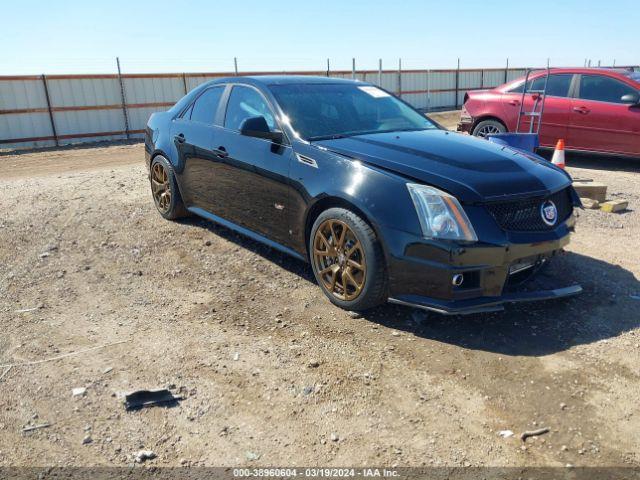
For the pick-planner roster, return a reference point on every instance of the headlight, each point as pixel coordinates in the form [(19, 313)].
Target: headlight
[(440, 214)]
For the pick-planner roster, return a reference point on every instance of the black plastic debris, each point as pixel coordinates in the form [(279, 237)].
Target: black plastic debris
[(150, 398)]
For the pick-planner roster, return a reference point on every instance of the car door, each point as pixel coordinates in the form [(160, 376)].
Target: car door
[(600, 121), (557, 106), (252, 174), (193, 134)]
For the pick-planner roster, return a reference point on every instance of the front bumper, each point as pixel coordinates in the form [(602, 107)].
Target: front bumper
[(421, 272)]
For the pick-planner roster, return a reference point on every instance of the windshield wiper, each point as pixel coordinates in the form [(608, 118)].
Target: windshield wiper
[(334, 136)]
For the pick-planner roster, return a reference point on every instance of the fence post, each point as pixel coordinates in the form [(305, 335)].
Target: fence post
[(184, 83), (400, 77), (457, 82), (328, 67), (353, 68), (506, 71), (53, 124), (614, 62), (482, 78), (235, 65), (380, 72), (123, 98), (428, 90)]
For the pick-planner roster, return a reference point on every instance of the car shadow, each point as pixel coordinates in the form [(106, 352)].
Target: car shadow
[(604, 310), (595, 161)]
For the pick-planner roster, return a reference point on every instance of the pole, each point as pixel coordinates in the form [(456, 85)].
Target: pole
[(598, 63), (428, 90), (184, 83), (614, 62), (482, 78), (124, 101), (53, 124), (235, 65), (400, 77), (457, 82), (380, 72), (506, 71), (328, 67), (353, 68)]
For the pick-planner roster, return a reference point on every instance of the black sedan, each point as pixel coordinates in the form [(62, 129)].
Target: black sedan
[(384, 204)]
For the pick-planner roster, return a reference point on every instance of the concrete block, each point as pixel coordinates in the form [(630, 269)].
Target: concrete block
[(613, 206), (593, 190), (590, 203)]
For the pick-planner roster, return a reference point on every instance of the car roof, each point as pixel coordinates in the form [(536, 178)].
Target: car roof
[(297, 79)]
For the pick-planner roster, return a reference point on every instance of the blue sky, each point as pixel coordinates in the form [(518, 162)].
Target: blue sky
[(157, 36)]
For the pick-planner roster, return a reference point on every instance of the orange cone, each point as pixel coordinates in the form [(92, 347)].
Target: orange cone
[(558, 154)]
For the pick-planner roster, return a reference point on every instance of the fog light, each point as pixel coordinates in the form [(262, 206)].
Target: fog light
[(457, 279)]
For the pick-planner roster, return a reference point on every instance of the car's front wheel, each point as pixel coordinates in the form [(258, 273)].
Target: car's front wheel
[(164, 189), (347, 260), (488, 127)]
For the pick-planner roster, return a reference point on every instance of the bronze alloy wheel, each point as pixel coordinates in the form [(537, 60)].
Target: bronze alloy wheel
[(160, 187), (339, 259)]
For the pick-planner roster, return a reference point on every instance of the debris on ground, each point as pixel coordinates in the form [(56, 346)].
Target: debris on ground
[(594, 190), (149, 398), (87, 439), (590, 203), (252, 456), (613, 206), (31, 428), (314, 364), (505, 433), (26, 310), (534, 433), (78, 392), (144, 455)]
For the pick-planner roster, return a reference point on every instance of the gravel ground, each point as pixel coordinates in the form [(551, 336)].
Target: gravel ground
[(273, 374)]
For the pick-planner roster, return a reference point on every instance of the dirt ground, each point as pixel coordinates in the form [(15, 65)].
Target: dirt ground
[(270, 372)]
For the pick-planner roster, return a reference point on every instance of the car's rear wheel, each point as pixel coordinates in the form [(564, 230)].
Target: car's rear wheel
[(347, 260), (164, 189), (488, 127)]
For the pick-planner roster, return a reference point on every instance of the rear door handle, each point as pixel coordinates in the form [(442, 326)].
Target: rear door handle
[(582, 110), (179, 138), (221, 152), (515, 103)]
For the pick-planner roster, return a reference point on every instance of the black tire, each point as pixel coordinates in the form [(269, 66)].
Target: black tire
[(172, 207), (485, 127), (374, 288)]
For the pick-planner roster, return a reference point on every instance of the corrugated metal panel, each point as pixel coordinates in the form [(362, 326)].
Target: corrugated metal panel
[(412, 81), (513, 74), (417, 100), (442, 80), (153, 90), (25, 126), (89, 121), (471, 79), (493, 78), (82, 92), (20, 94)]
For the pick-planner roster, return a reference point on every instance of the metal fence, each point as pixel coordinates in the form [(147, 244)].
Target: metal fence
[(51, 110)]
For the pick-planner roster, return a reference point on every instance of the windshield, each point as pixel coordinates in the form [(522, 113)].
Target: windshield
[(334, 110)]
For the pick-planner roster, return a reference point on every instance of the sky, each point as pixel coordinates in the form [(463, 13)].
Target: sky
[(194, 36)]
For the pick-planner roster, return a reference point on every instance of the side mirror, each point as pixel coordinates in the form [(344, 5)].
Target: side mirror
[(257, 127), (631, 98)]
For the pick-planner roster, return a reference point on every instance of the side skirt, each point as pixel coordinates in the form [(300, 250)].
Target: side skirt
[(246, 232)]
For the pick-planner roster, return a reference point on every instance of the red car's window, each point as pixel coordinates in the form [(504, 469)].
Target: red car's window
[(603, 89), (557, 85)]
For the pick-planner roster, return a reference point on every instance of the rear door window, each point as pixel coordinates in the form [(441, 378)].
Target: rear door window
[(557, 85), (206, 105), (603, 89)]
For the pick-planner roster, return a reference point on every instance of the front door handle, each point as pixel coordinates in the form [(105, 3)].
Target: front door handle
[(179, 138), (515, 103), (221, 152), (583, 110)]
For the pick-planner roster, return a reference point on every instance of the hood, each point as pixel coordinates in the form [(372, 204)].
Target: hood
[(471, 169)]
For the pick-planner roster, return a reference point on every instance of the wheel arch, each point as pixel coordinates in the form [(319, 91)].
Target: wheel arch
[(328, 202), (482, 118)]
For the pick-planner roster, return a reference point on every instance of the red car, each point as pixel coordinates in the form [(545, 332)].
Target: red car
[(592, 109)]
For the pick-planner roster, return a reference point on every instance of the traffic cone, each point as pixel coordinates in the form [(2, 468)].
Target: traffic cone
[(558, 154)]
